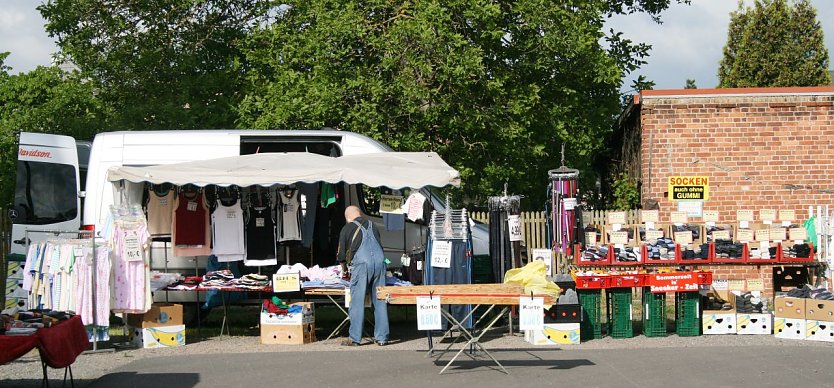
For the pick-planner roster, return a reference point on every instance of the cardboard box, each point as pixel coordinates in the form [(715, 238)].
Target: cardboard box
[(719, 323), (554, 334), (160, 314), (819, 310), (157, 337), (787, 307), (759, 324), (819, 330), (789, 328), (307, 315), (288, 334)]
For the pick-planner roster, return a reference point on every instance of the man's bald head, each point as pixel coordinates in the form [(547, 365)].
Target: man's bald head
[(352, 213)]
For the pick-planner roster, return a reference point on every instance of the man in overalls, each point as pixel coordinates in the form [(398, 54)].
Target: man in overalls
[(360, 248)]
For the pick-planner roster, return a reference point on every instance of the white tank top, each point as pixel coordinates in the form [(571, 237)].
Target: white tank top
[(289, 213), (160, 210), (227, 233)]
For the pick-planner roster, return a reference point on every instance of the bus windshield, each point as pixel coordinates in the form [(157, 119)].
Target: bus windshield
[(45, 193)]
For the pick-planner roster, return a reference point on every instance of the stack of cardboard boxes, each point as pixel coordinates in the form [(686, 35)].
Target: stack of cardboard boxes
[(289, 329), (731, 321), (804, 319), (159, 327), (561, 326)]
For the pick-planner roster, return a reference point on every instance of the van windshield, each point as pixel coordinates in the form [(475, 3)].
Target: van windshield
[(45, 193)]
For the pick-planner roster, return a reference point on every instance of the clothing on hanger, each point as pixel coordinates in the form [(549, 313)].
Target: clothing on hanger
[(228, 231), (289, 215)]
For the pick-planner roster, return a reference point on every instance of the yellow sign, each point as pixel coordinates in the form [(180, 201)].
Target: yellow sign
[(390, 203), (286, 282), (688, 188)]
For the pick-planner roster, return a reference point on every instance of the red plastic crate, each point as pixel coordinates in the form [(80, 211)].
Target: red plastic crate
[(704, 278), (782, 259), (626, 281), (745, 254), (613, 261), (758, 260), (578, 259), (592, 282), (646, 260), (680, 260)]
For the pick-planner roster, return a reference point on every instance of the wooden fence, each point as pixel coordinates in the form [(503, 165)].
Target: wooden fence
[(533, 224)]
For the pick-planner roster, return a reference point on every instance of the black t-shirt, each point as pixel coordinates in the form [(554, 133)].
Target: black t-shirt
[(346, 237)]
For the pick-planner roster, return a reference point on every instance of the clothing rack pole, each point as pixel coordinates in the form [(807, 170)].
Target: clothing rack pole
[(93, 273)]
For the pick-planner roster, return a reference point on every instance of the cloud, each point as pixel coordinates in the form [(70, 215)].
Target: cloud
[(22, 33)]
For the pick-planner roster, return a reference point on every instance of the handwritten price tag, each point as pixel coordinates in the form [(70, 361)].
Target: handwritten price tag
[(133, 249), (531, 313), (428, 313), (798, 233), (762, 235), (755, 285), (767, 215), (286, 282), (590, 238), (744, 215), (721, 235), (514, 224), (616, 218), (441, 254), (787, 215), (619, 237), (683, 238), (744, 235), (679, 218), (649, 216), (778, 234), (390, 204), (654, 234), (710, 216)]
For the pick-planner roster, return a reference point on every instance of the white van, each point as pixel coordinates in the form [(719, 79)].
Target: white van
[(48, 194)]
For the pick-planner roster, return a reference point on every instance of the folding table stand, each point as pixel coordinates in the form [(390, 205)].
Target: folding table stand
[(330, 293), (473, 340)]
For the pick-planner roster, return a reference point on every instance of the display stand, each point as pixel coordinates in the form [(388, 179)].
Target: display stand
[(82, 235)]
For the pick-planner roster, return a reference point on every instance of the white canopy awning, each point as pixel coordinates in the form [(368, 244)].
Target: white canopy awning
[(395, 170)]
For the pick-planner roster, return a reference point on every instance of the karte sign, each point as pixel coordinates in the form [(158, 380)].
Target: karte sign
[(673, 282), (688, 188)]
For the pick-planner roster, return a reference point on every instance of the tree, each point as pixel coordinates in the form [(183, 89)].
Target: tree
[(774, 44), (43, 100), (495, 87), (690, 84), (159, 64)]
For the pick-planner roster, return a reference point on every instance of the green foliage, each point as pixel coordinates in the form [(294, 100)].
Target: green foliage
[(626, 194), (43, 100), (774, 43), (495, 87), (159, 64), (690, 84)]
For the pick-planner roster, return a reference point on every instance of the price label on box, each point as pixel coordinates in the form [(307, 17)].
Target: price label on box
[(710, 216), (679, 218), (649, 216), (755, 285), (720, 235), (744, 235), (767, 215), (744, 215), (762, 235), (619, 238), (684, 237), (778, 234), (798, 233), (590, 238), (286, 282), (616, 218), (787, 215), (654, 234), (735, 284)]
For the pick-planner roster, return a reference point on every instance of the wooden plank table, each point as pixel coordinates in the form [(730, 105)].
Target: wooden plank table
[(491, 295)]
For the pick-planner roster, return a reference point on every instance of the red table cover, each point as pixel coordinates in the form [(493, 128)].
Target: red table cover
[(59, 345), (14, 347)]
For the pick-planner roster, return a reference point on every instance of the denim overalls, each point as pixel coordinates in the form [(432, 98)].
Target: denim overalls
[(367, 270)]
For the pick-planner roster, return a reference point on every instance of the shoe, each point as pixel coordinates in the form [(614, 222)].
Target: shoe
[(349, 342), (381, 343)]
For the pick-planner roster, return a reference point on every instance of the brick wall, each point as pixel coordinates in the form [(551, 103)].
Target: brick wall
[(759, 151), (764, 272)]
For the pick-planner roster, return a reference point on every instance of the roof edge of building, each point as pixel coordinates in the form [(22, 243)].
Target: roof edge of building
[(730, 92)]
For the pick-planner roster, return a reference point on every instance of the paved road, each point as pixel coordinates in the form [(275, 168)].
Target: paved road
[(759, 366)]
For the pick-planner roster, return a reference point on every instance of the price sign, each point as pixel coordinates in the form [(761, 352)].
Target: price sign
[(531, 313), (545, 255), (390, 204), (735, 284), (649, 216), (710, 216), (654, 234), (684, 238), (744, 215), (441, 254), (744, 235), (286, 282), (767, 215), (428, 313), (778, 234), (590, 238), (619, 238), (569, 203), (720, 234), (133, 249), (762, 235), (755, 285), (616, 218), (798, 233), (720, 284), (787, 215), (514, 224), (680, 218)]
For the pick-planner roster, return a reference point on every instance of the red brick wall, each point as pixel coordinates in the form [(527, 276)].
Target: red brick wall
[(752, 147), (764, 272)]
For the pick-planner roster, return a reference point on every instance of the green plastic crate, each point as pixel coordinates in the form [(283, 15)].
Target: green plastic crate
[(654, 313), (687, 314), (619, 313), (591, 326)]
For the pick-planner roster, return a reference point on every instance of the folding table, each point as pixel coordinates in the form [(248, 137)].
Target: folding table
[(331, 293), (491, 295)]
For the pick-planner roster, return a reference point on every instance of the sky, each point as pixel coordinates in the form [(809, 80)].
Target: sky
[(686, 46)]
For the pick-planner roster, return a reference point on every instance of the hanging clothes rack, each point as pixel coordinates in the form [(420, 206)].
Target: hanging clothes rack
[(562, 227)]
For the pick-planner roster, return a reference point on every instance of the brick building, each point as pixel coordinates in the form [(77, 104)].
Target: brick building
[(761, 148)]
